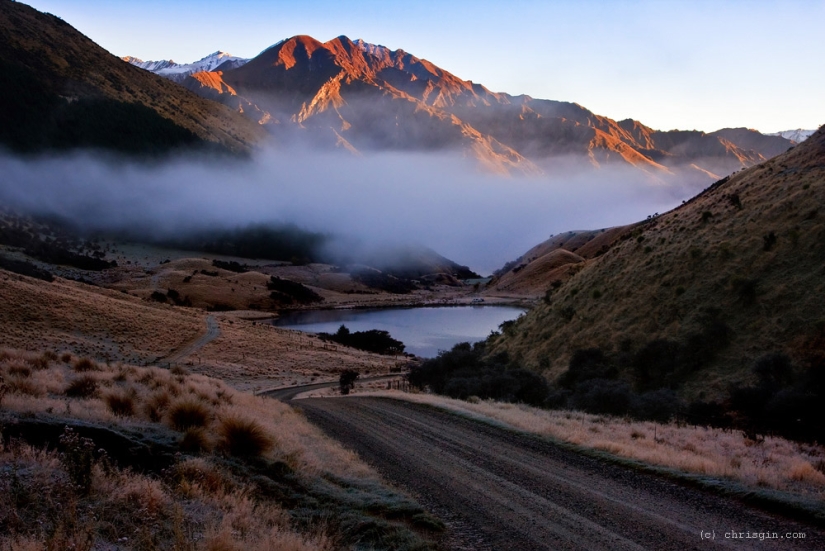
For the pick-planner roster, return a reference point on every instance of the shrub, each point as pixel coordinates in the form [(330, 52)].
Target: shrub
[(603, 396), (774, 370), (658, 405), (77, 459), (346, 381), (157, 296), (243, 437), (120, 403), (288, 291), (188, 413), (768, 241), (82, 387), (374, 340), (745, 289), (231, 266), (586, 364)]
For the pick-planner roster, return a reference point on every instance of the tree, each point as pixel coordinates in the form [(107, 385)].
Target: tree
[(347, 380)]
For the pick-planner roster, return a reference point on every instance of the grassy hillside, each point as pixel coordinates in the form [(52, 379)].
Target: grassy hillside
[(113, 456), (691, 298), (60, 90)]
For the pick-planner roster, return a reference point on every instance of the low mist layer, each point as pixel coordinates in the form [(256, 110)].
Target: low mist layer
[(370, 203)]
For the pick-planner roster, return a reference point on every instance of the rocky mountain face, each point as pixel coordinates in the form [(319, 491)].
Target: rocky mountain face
[(60, 90), (363, 96), (690, 298)]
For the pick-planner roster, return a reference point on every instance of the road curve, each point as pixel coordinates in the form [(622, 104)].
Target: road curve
[(287, 393), (498, 489)]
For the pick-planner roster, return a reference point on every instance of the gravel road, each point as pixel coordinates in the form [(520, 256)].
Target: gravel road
[(497, 489)]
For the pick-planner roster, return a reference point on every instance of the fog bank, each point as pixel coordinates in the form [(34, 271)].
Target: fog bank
[(380, 200)]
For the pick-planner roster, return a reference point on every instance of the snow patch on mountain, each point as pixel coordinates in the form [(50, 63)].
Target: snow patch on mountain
[(170, 69), (798, 135)]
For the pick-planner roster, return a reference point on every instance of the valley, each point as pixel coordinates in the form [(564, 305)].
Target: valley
[(335, 296)]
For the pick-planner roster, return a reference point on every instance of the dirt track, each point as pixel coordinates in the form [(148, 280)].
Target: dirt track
[(212, 332), (496, 489)]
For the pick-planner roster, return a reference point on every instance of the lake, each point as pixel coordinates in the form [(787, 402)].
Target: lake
[(424, 331)]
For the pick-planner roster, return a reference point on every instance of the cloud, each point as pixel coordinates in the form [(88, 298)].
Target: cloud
[(379, 200)]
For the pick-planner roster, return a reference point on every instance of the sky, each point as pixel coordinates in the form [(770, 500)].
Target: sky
[(691, 65)]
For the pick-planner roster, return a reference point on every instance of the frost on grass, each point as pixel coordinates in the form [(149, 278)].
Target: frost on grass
[(771, 463)]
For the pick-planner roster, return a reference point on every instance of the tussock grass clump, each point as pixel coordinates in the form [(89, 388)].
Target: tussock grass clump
[(82, 387), (85, 364), (26, 386), (195, 440), (178, 370), (243, 437), (189, 413), (156, 405), (19, 369), (120, 403)]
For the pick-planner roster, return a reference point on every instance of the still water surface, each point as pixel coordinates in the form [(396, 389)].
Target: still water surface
[(424, 331)]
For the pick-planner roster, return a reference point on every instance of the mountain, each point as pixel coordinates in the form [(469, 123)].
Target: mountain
[(364, 96), (798, 135), (177, 72), (689, 299), (61, 90)]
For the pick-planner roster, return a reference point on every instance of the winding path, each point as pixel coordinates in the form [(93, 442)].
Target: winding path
[(213, 331)]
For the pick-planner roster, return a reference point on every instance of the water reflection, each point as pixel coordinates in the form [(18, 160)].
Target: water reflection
[(424, 331)]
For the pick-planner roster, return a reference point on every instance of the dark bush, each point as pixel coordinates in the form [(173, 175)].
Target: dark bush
[(231, 266), (603, 396), (464, 371), (25, 268), (590, 363), (656, 362), (774, 370), (346, 381), (288, 291), (768, 241), (157, 296), (657, 405), (374, 340)]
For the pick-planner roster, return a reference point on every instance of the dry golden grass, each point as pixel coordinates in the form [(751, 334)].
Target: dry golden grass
[(773, 463), (198, 506), (90, 321), (92, 326), (252, 356), (129, 395)]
